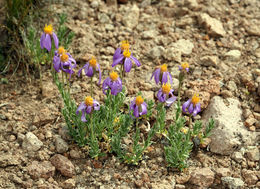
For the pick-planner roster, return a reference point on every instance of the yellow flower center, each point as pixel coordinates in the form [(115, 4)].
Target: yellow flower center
[(164, 68), (93, 62), (61, 50), (125, 45), (185, 65), (89, 101), (195, 99), (113, 75), (166, 88), (127, 53), (139, 100), (64, 57), (48, 29), (184, 130)]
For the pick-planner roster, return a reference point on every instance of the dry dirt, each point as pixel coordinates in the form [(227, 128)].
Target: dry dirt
[(220, 40)]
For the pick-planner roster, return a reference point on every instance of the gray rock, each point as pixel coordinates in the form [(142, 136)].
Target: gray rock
[(172, 54), (150, 34), (94, 4), (229, 132), (61, 145), (156, 52), (233, 55), (63, 164), (231, 85), (31, 142), (131, 17), (209, 61), (237, 156), (252, 153), (213, 26), (103, 18), (232, 183), (185, 46)]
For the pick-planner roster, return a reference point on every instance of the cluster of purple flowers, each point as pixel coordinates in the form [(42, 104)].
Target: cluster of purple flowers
[(165, 93), (63, 61), (113, 83)]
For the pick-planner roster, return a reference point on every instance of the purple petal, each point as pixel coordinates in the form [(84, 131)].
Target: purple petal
[(136, 111), (164, 77), (105, 84), (144, 108), (99, 74), (118, 60), (96, 105), (56, 63), (117, 54), (171, 100), (127, 64), (170, 76), (83, 116), (196, 109), (185, 105), (136, 61), (56, 40), (47, 42), (42, 40), (161, 96), (156, 75), (187, 69), (81, 107), (191, 108), (89, 72), (88, 109)]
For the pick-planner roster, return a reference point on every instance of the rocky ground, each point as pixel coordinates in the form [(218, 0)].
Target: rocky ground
[(220, 40)]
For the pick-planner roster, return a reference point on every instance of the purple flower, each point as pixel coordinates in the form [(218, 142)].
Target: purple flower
[(87, 106), (91, 68), (123, 55), (138, 106), (165, 94), (184, 67), (45, 40), (192, 105), (63, 61), (113, 82), (161, 75)]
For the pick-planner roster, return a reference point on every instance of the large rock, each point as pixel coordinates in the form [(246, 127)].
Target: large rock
[(156, 52), (233, 55), (41, 170), (202, 177), (131, 17), (185, 46), (31, 142), (63, 164), (232, 183), (229, 132), (213, 26)]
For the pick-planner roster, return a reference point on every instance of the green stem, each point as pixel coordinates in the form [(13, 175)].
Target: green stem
[(62, 73), (122, 71), (91, 127), (91, 88), (190, 120), (40, 73), (68, 83)]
